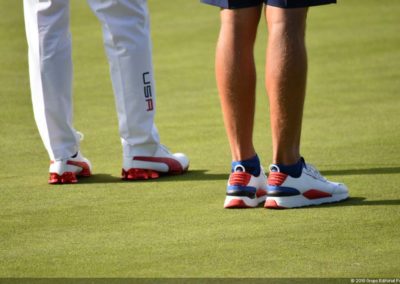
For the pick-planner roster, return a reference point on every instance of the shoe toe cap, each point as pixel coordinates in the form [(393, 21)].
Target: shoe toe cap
[(341, 188), (183, 160)]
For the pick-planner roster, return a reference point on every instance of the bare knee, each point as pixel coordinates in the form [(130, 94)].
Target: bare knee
[(287, 24), (240, 25)]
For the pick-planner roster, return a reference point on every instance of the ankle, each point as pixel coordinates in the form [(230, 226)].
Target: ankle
[(286, 158), (294, 170)]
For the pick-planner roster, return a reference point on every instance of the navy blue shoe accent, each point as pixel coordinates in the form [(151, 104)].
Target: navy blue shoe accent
[(294, 170), (277, 191), (237, 190), (252, 165)]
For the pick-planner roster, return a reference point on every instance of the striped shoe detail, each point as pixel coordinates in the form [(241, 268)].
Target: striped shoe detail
[(276, 178), (238, 185), (239, 178)]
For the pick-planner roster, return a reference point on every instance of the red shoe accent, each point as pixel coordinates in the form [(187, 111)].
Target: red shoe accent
[(315, 194), (85, 172), (236, 203), (239, 178), (139, 174), (67, 177), (276, 178), (269, 203), (174, 167), (261, 192)]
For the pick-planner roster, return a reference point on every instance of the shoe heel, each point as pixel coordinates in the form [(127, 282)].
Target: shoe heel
[(240, 202), (235, 203)]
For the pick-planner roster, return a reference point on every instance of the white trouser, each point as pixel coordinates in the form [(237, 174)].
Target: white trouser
[(127, 42)]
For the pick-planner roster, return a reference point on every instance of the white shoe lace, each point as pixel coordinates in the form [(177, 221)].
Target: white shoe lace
[(165, 148), (311, 170)]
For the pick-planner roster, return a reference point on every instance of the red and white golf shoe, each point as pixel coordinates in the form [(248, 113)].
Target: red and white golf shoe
[(245, 190), (310, 188), (67, 170), (162, 162)]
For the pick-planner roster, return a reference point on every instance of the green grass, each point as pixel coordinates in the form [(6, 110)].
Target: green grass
[(176, 227)]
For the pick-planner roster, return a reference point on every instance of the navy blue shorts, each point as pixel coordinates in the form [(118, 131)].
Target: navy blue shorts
[(236, 4)]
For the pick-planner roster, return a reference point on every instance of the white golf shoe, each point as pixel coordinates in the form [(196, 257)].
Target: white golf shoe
[(162, 162), (310, 188), (245, 190), (67, 170)]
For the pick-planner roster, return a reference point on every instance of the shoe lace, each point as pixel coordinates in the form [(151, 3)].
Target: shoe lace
[(165, 148), (312, 170)]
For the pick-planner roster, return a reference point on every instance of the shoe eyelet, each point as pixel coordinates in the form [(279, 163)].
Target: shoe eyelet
[(239, 168), (274, 168)]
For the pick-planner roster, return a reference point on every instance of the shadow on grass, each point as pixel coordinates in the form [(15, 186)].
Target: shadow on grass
[(199, 175), (352, 201), (371, 171), (191, 175), (360, 201)]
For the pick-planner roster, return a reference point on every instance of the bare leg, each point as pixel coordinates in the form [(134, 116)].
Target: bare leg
[(286, 74), (236, 77)]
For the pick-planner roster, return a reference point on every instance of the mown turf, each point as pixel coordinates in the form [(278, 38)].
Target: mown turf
[(176, 227)]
